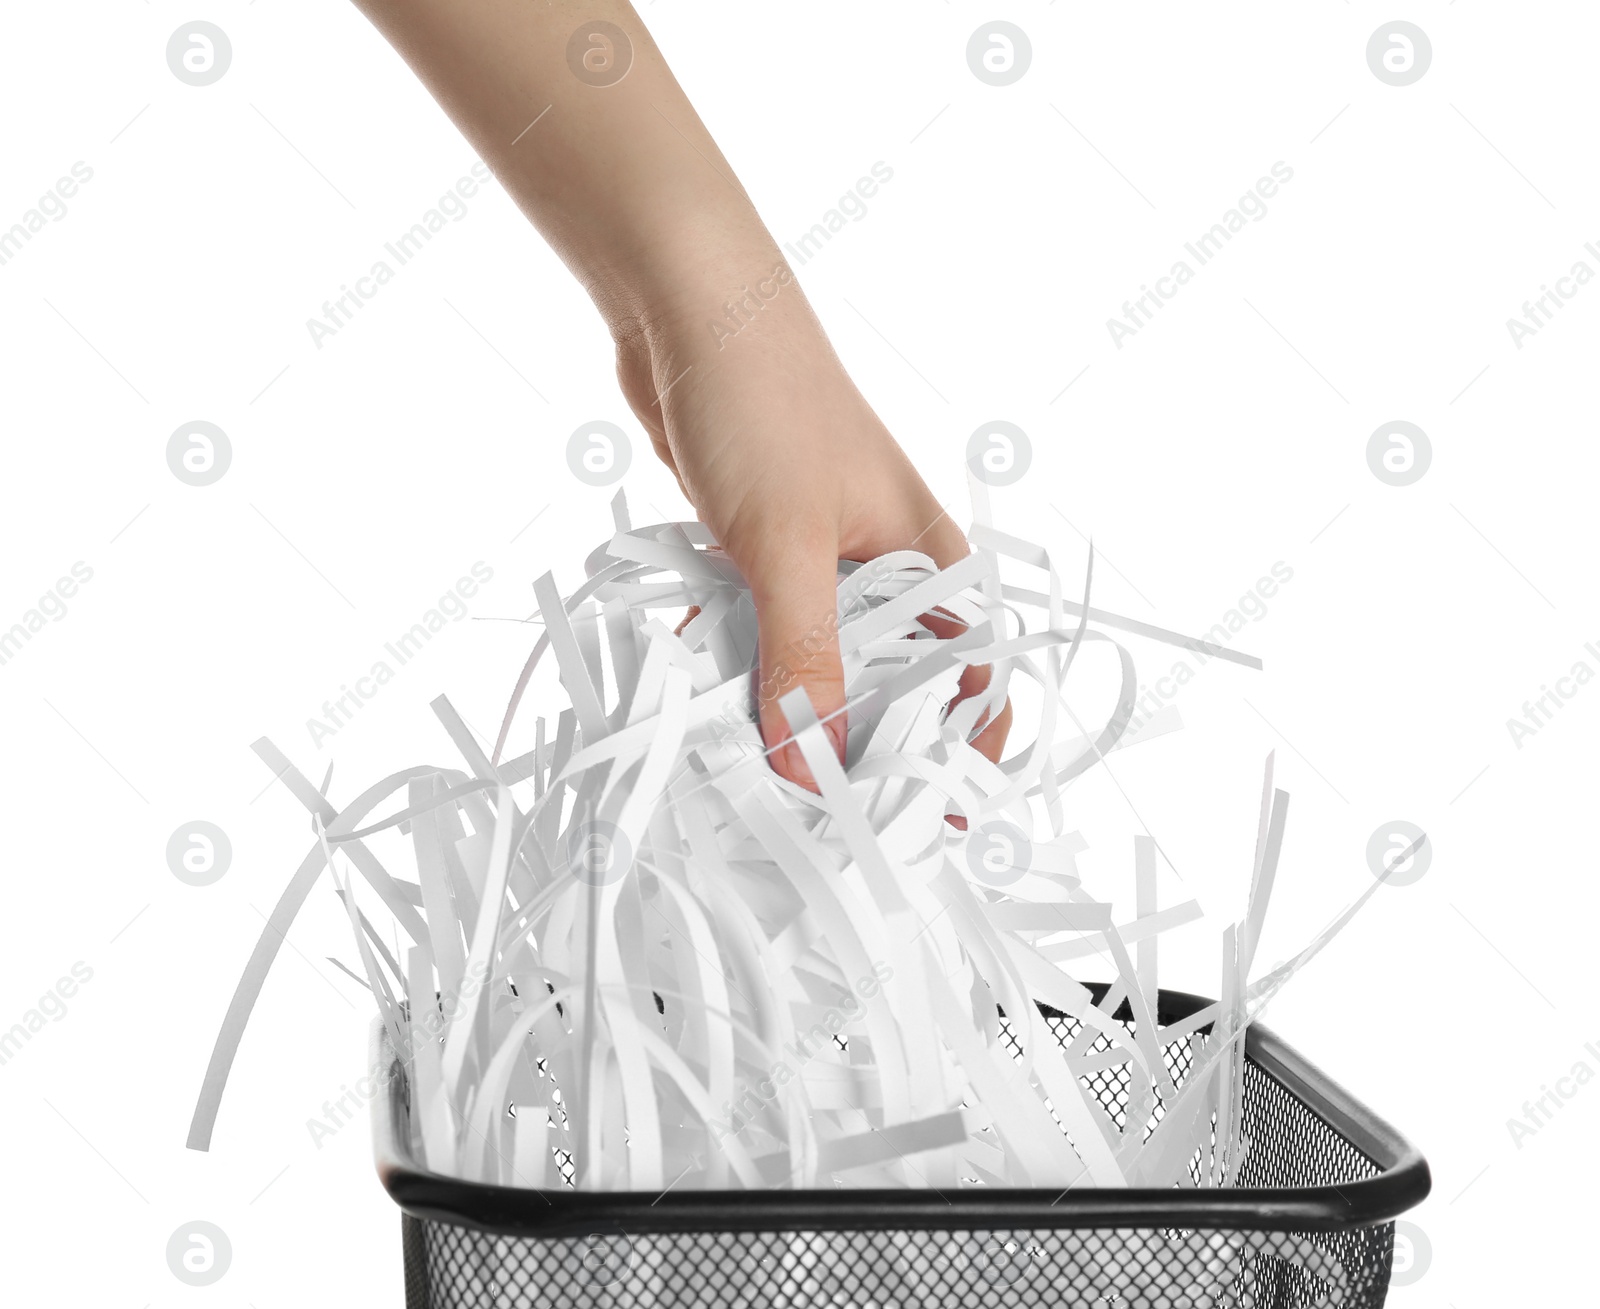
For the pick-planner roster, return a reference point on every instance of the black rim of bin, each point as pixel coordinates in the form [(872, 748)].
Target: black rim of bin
[(512, 1211)]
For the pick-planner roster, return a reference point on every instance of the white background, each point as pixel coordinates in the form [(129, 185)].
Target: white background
[(367, 476)]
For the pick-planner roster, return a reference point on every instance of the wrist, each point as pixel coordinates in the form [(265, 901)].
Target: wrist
[(678, 282)]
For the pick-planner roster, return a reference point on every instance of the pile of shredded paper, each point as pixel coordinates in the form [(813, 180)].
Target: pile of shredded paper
[(635, 957)]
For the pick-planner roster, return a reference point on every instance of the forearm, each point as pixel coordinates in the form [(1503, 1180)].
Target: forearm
[(718, 353), (623, 180)]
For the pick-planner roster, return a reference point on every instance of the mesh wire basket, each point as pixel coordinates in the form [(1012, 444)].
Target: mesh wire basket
[(1310, 1223)]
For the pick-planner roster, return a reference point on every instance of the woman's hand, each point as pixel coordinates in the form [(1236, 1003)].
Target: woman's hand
[(770, 440), (788, 465)]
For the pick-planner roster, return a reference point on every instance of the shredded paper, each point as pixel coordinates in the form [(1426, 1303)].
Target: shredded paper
[(634, 957)]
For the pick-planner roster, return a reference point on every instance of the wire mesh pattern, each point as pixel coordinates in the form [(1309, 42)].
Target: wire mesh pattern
[(1120, 1268), (455, 1267)]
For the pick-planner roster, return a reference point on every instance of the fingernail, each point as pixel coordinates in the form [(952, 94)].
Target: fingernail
[(791, 763), (839, 730)]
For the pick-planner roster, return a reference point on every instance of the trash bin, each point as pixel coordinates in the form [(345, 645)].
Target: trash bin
[(1309, 1224)]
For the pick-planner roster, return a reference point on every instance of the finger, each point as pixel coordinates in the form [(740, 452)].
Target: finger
[(797, 616), (946, 544), (991, 741)]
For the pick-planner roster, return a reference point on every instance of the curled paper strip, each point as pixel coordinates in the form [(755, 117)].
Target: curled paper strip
[(635, 958)]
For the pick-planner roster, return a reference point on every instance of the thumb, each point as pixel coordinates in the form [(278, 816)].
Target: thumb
[(797, 615)]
